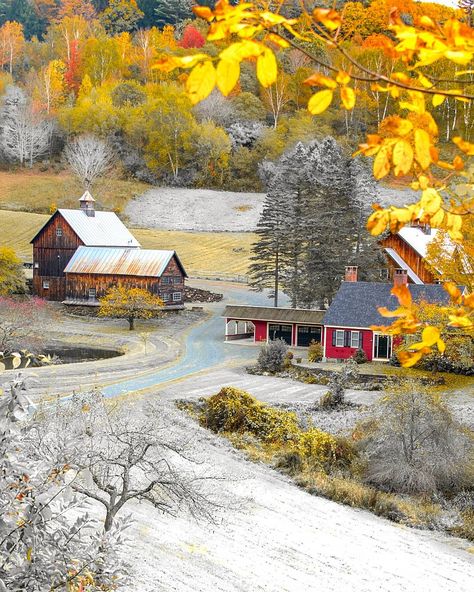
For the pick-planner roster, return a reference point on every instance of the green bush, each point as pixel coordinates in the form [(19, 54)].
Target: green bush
[(359, 356), (233, 410), (315, 351), (272, 356)]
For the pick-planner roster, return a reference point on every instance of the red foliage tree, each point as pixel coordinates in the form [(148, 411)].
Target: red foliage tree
[(71, 76), (191, 38)]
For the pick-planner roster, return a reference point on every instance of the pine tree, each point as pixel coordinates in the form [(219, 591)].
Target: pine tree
[(171, 12)]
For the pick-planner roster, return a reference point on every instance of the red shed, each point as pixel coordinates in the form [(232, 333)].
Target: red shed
[(298, 327)]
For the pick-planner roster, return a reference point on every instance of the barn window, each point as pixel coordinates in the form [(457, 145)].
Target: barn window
[(355, 339), (165, 280), (59, 231), (45, 285), (339, 341), (177, 279), (36, 265), (176, 296), (92, 293), (165, 297)]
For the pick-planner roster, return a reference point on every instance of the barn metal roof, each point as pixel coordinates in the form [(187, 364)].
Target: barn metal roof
[(269, 313), (118, 261), (104, 229), (401, 263), (417, 238)]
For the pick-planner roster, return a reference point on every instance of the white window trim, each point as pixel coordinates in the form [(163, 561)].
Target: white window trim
[(374, 359), (177, 296), (340, 332), (59, 231), (357, 335), (45, 285), (166, 297)]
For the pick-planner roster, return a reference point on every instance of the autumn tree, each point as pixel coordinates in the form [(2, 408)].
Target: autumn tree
[(89, 158), (12, 43), (122, 302), (191, 38), (77, 8), (120, 16), (12, 276)]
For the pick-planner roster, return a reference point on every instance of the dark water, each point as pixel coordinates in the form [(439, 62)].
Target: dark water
[(69, 354)]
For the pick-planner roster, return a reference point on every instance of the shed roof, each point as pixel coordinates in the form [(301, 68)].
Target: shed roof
[(104, 229), (118, 261), (270, 313), (356, 303)]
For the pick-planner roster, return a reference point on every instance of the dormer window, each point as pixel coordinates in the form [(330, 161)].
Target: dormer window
[(59, 231)]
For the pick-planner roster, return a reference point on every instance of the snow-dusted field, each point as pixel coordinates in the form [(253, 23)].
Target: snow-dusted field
[(208, 210), (274, 537)]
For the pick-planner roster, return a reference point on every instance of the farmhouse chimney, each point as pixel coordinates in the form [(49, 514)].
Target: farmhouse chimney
[(400, 277), (87, 204), (351, 273)]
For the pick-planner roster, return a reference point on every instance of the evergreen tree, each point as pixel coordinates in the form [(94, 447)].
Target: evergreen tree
[(121, 16), (317, 199), (171, 12)]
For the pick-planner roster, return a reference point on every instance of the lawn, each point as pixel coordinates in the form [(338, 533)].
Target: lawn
[(216, 254), (34, 191)]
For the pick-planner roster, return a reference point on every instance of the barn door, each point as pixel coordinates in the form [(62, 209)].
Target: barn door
[(280, 332)]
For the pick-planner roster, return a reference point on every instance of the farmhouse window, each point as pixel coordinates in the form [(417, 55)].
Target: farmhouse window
[(176, 296), (45, 285), (59, 231), (339, 338), (166, 297), (355, 339)]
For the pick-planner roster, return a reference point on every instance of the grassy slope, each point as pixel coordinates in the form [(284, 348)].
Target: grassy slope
[(216, 253), (33, 191)]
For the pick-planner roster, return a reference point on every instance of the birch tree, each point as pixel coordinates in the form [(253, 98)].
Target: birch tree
[(89, 158)]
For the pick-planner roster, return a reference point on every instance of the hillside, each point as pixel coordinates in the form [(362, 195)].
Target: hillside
[(217, 254)]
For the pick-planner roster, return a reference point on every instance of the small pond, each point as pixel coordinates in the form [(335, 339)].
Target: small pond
[(70, 354)]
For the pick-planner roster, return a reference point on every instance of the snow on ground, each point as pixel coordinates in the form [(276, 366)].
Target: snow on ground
[(274, 537), (208, 210)]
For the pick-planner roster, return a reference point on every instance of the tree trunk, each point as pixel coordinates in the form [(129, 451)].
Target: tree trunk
[(131, 323)]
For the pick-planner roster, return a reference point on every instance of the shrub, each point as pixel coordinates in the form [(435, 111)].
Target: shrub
[(272, 356), (359, 356), (338, 383), (457, 357), (233, 410), (415, 446), (315, 351), (316, 446), (466, 528)]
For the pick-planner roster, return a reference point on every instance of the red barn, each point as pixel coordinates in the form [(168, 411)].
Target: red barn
[(93, 270), (407, 250), (66, 230)]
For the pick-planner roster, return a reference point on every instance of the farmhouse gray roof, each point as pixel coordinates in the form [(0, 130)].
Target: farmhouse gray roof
[(356, 303), (118, 261), (269, 313)]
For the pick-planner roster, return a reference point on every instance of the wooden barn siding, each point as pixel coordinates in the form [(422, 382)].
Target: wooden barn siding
[(56, 290), (48, 246), (410, 256)]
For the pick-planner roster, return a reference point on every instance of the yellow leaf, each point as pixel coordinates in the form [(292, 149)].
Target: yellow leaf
[(377, 222), (382, 162), (466, 147), (458, 57), (329, 17), (430, 336), (267, 68), (318, 79), (402, 157), (29, 553), (241, 50), (438, 100), (320, 101), (343, 77), (348, 97), (228, 72), (441, 346), (203, 11), (422, 148), (409, 359), (201, 81), (402, 293), (430, 201)]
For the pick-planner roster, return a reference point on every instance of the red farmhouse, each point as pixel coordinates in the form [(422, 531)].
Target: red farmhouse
[(353, 311)]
